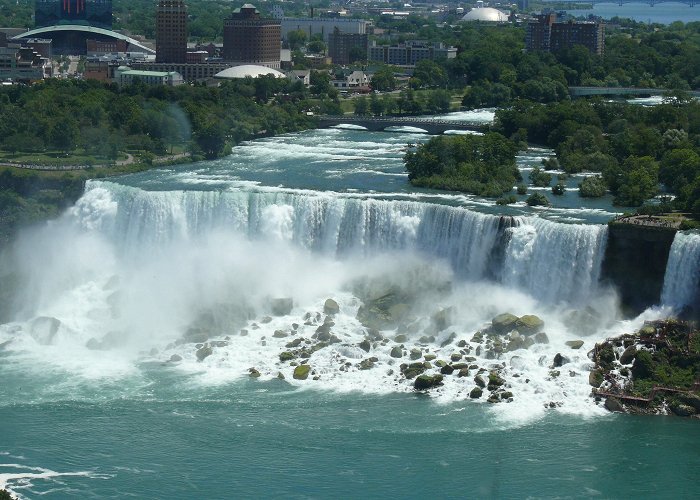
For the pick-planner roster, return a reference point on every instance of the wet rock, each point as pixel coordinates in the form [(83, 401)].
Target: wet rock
[(429, 357), (175, 358), (400, 338), (493, 399), (396, 352), (476, 393), (426, 339), (529, 324), (455, 356), (479, 381), (440, 363), (450, 338), (682, 409), (294, 343), (416, 353), (506, 395), (691, 400), (462, 343), (559, 360), (541, 338), (253, 373), (279, 334), (503, 323), (478, 337), (281, 306), (495, 381), (647, 330), (244, 333), (203, 353), (280, 375), (424, 382), (301, 372), (442, 319), (330, 306), (365, 345), (412, 370), (613, 404), (464, 372), (447, 370), (286, 356), (628, 355), (574, 344), (366, 364)]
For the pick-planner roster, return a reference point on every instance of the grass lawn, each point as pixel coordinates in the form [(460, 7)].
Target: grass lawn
[(56, 158)]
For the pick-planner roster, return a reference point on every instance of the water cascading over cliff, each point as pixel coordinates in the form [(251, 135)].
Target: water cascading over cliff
[(682, 280), (553, 262)]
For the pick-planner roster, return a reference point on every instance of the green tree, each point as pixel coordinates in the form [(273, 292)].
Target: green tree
[(383, 79), (296, 39)]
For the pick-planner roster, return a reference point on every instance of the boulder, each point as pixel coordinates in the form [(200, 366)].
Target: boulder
[(503, 323), (301, 372), (529, 324), (628, 355), (416, 353), (286, 356), (476, 392), (400, 338), (330, 306), (541, 338), (366, 364), (396, 352), (455, 356), (412, 370), (595, 378), (253, 373), (450, 338), (204, 352), (365, 345), (574, 344), (281, 306), (429, 357), (175, 358), (559, 360), (479, 381), (495, 381), (279, 334), (613, 404), (424, 382), (447, 370), (681, 409), (43, 329), (442, 319), (691, 400)]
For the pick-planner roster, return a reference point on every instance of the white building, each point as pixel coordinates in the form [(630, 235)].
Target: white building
[(126, 76)]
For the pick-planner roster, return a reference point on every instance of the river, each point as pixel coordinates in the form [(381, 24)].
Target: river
[(662, 13), (109, 391)]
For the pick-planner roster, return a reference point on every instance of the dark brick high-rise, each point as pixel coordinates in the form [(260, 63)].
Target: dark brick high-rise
[(171, 31), (249, 38)]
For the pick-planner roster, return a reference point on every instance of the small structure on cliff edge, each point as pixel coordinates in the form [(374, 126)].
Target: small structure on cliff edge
[(654, 371)]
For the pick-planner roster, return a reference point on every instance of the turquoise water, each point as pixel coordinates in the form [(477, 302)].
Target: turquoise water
[(253, 440), (101, 397), (663, 13)]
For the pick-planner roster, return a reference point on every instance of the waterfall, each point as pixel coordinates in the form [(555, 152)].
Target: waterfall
[(552, 261), (682, 278)]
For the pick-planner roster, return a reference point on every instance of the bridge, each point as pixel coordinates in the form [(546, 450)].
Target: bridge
[(690, 3), (589, 91), (433, 126)]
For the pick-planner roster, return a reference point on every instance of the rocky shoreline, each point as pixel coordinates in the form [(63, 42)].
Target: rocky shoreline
[(655, 371)]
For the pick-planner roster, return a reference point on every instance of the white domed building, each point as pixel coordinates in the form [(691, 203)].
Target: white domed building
[(486, 15), (247, 70)]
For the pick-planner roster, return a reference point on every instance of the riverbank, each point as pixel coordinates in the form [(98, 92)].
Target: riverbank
[(655, 371)]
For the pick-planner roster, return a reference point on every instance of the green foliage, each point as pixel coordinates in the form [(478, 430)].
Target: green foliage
[(383, 79), (506, 200), (539, 178), (537, 199), (558, 189), (483, 165), (592, 187), (522, 189)]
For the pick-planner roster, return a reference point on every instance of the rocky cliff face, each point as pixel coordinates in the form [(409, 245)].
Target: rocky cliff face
[(635, 263)]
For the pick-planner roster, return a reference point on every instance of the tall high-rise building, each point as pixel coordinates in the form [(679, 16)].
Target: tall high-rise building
[(249, 38), (171, 31), (344, 48), (96, 13), (547, 34)]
